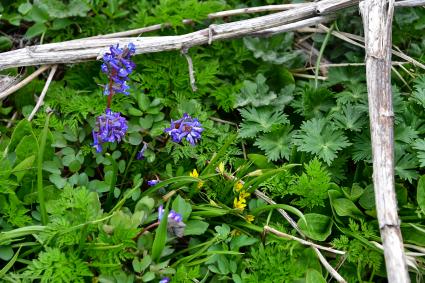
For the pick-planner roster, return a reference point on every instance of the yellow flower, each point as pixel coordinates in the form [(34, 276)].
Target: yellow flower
[(239, 203), (194, 174), (221, 168), (249, 218), (200, 184), (244, 194), (238, 186)]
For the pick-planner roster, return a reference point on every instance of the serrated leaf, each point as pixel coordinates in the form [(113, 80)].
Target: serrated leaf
[(276, 144), (59, 9), (257, 120), (350, 118), (319, 137), (419, 145), (255, 93)]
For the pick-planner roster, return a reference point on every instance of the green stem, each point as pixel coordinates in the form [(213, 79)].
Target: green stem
[(40, 190), (319, 58), (113, 182), (133, 154)]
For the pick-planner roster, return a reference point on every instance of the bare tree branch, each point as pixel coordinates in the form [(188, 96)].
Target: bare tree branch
[(377, 21)]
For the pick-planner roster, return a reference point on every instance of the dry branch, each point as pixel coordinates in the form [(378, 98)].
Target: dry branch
[(43, 92), (23, 83), (90, 49), (377, 20), (304, 242)]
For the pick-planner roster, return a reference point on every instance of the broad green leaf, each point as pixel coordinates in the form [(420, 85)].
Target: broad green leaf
[(6, 253), (22, 168), (314, 276), (345, 207), (22, 129), (195, 227), (316, 226), (5, 43), (242, 241), (61, 9), (36, 29), (182, 206), (27, 147)]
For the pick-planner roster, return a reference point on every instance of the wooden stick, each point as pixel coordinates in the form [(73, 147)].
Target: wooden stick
[(43, 92), (304, 242), (377, 20), (90, 49), (252, 10), (24, 82)]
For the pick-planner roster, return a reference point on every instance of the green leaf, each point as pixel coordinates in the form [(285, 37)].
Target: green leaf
[(316, 226), (6, 253), (242, 241), (195, 227), (27, 147), (58, 180), (255, 93), (314, 276), (5, 43), (181, 206), (59, 9), (345, 207), (319, 137), (277, 144), (257, 120), (420, 195), (22, 168), (24, 8), (141, 265), (160, 238), (36, 29), (22, 129)]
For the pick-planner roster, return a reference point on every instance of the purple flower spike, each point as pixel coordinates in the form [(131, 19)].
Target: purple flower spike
[(165, 280), (141, 153), (186, 127), (118, 66), (110, 127), (152, 183)]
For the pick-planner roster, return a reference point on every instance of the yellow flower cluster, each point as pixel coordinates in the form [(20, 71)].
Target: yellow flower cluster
[(240, 202), (195, 174)]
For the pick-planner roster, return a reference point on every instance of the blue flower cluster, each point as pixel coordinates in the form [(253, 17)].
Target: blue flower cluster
[(152, 183), (165, 280), (186, 127), (175, 222), (118, 65), (110, 127)]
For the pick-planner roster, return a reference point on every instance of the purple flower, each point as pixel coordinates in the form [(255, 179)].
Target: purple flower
[(152, 183), (165, 280), (110, 127), (141, 153), (186, 127), (175, 222), (118, 66)]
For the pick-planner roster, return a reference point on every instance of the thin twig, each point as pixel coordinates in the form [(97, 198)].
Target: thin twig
[(253, 10), (409, 3), (351, 37), (12, 120), (24, 82), (222, 121), (304, 242), (43, 92), (191, 70)]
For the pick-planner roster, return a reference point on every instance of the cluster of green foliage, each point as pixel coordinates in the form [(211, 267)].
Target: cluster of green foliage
[(69, 214)]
